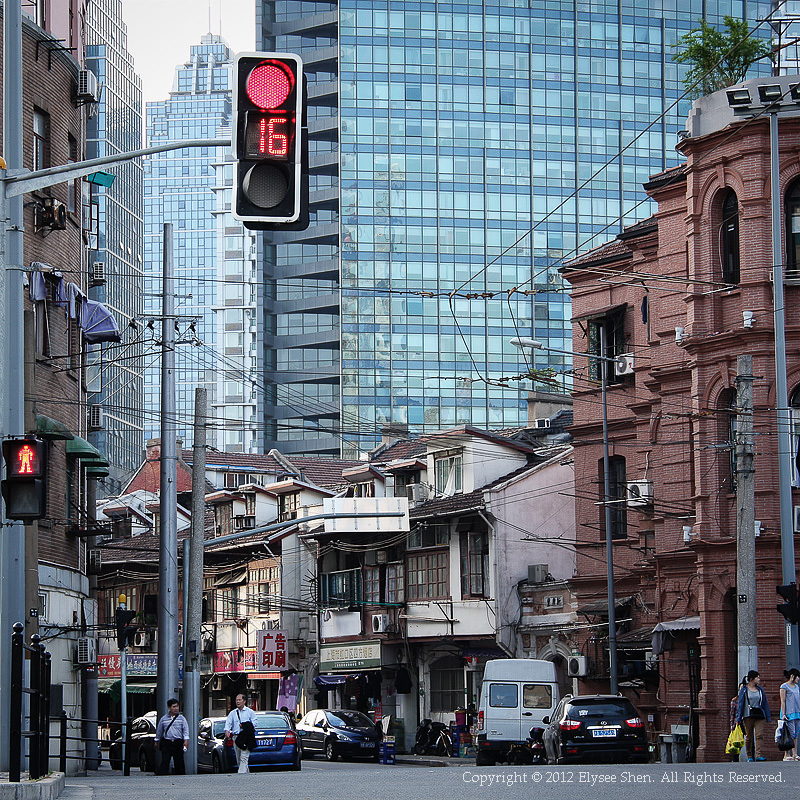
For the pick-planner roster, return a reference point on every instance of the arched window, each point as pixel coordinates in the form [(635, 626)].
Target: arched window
[(727, 436), (729, 235), (793, 228)]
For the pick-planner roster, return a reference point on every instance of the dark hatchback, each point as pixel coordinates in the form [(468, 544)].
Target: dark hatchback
[(349, 734), (143, 737), (595, 729), (278, 744)]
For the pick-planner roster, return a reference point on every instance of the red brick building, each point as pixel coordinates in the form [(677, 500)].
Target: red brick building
[(684, 293)]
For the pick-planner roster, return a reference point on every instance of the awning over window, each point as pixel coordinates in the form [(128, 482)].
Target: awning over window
[(599, 312), (233, 578), (88, 453), (664, 632), (52, 429), (601, 606), (98, 323)]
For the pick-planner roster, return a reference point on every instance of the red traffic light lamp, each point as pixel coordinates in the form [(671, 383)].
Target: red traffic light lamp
[(270, 190), (25, 485)]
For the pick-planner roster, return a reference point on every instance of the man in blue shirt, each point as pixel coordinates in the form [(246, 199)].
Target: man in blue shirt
[(172, 739)]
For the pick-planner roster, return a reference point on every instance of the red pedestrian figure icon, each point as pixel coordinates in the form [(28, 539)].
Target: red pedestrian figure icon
[(25, 456)]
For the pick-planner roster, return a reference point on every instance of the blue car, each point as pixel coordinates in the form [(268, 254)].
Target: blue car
[(277, 744)]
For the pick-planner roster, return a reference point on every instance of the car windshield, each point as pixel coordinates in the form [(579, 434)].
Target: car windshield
[(349, 719), (219, 727), (600, 709), (271, 721)]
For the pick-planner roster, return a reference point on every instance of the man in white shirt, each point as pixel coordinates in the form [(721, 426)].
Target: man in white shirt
[(172, 739), (233, 726)]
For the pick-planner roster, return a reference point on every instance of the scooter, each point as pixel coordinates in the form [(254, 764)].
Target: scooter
[(536, 744), (432, 738)]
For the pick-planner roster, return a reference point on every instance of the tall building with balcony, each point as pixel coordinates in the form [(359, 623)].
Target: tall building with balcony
[(458, 154), (115, 232), (214, 255)]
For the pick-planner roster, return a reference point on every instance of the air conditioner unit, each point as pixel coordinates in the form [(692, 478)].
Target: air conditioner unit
[(576, 666), (98, 273), (623, 364), (417, 492), (95, 417), (537, 573), (243, 522), (141, 639), (87, 651), (797, 519), (381, 556), (640, 493), (216, 683), (208, 645), (88, 87), (380, 623), (52, 214), (541, 422), (95, 561)]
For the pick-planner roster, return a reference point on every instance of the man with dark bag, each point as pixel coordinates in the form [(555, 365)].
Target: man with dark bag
[(240, 726), (172, 739)]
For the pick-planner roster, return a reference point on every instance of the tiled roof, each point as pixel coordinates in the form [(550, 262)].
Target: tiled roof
[(613, 250), (149, 477), (447, 506), (400, 450)]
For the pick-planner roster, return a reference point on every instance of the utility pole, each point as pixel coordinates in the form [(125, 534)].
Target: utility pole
[(167, 683), (747, 644), (192, 630), (12, 542)]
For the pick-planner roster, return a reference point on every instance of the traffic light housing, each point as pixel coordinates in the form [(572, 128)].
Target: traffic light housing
[(790, 609), (25, 485), (270, 190), (125, 630)]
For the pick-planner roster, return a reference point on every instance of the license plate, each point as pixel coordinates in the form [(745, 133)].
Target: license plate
[(604, 732), (266, 743), (367, 744)]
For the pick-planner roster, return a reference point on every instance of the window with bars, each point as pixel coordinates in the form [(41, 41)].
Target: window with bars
[(448, 685), (229, 602), (426, 576), (288, 506), (395, 590), (474, 564), (339, 589)]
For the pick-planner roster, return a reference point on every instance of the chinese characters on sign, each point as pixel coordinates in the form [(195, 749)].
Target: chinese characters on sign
[(272, 652)]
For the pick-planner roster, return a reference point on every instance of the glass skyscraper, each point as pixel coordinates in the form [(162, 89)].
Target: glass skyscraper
[(214, 256), (114, 230), (459, 153)]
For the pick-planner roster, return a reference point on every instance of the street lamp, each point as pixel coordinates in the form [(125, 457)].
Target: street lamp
[(524, 342)]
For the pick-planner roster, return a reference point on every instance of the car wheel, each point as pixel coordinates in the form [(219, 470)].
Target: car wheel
[(330, 751), (297, 765), (143, 765), (216, 767)]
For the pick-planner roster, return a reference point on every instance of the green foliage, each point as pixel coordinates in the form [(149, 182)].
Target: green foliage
[(718, 59)]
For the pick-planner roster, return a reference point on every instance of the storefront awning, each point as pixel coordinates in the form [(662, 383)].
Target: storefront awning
[(601, 606), (664, 632), (330, 680), (113, 687), (639, 639), (88, 453), (47, 428)]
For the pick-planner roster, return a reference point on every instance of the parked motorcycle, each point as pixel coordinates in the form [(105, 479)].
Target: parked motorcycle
[(531, 751), (433, 738)]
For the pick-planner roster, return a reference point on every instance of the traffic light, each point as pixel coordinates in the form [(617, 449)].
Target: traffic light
[(270, 185), (25, 485), (125, 630), (790, 608)]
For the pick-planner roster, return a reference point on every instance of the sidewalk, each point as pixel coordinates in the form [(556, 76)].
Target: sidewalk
[(48, 788), (410, 759)]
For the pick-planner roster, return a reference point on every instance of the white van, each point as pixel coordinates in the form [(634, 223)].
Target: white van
[(516, 694)]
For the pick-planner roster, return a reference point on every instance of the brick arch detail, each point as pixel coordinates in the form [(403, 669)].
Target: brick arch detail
[(716, 385), (792, 383), (718, 181)]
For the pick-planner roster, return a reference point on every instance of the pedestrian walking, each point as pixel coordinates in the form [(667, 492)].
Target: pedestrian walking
[(790, 709), (240, 726), (752, 711), (172, 739), (734, 755)]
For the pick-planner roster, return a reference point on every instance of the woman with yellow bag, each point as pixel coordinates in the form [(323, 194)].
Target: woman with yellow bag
[(736, 738)]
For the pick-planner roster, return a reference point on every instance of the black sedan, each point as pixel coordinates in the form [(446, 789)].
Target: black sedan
[(339, 733), (143, 737), (595, 729)]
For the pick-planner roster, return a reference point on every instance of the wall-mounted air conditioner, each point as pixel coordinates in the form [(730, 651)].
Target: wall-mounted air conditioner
[(95, 417), (576, 666), (380, 623), (417, 492), (87, 651), (541, 422), (623, 364), (537, 573), (88, 86), (640, 493), (97, 275), (51, 214), (142, 639)]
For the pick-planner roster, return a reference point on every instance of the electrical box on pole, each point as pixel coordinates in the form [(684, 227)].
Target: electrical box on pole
[(270, 185), (25, 485)]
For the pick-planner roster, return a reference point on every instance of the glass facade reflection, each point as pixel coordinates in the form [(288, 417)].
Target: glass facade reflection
[(214, 255), (115, 236), (474, 151)]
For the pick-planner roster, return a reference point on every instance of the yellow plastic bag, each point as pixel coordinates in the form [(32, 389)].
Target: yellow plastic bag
[(735, 740)]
